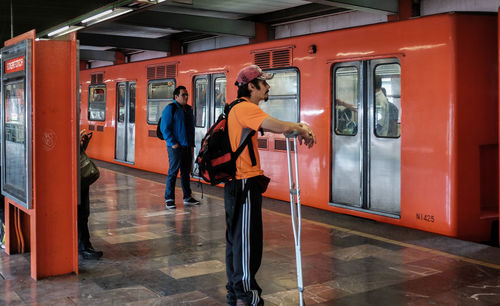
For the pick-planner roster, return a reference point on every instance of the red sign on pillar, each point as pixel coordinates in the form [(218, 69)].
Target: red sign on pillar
[(15, 64)]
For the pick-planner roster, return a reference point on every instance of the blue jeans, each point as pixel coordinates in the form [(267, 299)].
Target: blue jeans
[(180, 158)]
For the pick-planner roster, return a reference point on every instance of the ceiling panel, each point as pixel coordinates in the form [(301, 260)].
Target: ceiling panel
[(242, 6), (121, 29)]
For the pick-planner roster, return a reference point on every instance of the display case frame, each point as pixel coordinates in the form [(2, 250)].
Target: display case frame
[(16, 69)]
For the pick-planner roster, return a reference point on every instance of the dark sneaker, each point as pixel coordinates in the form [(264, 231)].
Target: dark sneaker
[(170, 204), (191, 201), (90, 254)]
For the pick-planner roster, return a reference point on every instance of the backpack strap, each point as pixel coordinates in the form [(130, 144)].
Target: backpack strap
[(228, 107), (246, 136), (246, 140), (174, 108)]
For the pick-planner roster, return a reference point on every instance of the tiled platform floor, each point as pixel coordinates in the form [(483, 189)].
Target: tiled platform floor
[(157, 257)]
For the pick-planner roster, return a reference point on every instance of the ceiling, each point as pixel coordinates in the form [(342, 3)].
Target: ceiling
[(153, 24)]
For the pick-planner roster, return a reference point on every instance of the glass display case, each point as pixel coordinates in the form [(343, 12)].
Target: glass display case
[(16, 131)]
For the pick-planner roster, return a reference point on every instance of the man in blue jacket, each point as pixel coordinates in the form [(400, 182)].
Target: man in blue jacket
[(177, 126)]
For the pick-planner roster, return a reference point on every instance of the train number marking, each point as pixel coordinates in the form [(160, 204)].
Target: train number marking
[(427, 218)]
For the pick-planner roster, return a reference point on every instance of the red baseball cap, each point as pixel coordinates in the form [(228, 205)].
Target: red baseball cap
[(251, 72)]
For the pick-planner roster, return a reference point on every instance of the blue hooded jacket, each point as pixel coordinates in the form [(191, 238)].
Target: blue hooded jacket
[(178, 128)]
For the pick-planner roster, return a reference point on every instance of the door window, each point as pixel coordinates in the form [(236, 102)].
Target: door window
[(121, 102), (387, 92), (131, 115), (219, 96), (200, 98), (346, 101)]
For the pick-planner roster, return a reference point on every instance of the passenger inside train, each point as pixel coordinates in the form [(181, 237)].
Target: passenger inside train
[(386, 112)]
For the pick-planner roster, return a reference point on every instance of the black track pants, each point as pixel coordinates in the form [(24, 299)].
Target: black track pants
[(83, 218), (243, 205)]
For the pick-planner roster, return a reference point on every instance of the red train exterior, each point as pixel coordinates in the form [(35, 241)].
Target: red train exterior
[(449, 115)]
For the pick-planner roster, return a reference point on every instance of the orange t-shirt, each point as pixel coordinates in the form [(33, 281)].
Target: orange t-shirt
[(245, 115)]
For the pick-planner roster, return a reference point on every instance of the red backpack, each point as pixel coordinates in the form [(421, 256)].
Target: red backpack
[(216, 160)]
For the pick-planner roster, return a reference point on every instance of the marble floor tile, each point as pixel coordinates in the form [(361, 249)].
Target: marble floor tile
[(56, 289), (131, 237), (119, 296), (313, 295), (194, 269), (192, 298), (360, 251), (10, 297)]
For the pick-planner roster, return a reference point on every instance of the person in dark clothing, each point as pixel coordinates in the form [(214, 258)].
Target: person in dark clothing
[(243, 195), (85, 248), (177, 126)]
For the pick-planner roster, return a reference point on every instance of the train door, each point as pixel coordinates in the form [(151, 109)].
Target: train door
[(366, 144), (125, 122), (209, 98)]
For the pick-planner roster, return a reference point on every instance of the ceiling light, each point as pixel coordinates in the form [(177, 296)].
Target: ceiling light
[(58, 31), (115, 13), (71, 29), (97, 16), (64, 30)]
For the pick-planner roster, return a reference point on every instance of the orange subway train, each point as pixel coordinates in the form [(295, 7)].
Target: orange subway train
[(405, 113)]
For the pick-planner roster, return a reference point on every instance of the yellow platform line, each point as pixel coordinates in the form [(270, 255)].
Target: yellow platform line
[(358, 233)]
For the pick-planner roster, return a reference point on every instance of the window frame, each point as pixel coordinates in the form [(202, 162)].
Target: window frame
[(148, 100), (375, 64), (104, 102), (359, 68), (215, 78), (124, 84), (195, 99), (284, 69)]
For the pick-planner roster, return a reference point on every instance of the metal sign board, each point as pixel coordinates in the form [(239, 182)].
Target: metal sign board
[(16, 124)]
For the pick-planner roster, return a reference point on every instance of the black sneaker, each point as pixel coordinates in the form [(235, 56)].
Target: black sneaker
[(90, 254), (170, 204), (191, 201)]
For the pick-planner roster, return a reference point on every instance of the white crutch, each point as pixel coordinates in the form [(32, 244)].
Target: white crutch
[(296, 216)]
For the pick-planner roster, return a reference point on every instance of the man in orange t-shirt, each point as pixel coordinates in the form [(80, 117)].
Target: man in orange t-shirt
[(243, 196)]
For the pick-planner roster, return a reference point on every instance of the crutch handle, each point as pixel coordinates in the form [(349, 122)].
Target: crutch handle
[(292, 134)]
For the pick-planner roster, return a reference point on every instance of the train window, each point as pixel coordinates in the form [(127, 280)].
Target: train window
[(346, 101), (121, 102), (283, 100), (200, 104), (219, 96), (131, 114), (160, 93), (97, 103), (387, 91)]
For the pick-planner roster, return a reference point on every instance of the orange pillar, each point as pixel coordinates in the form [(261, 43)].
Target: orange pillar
[(119, 58), (49, 229), (83, 65), (261, 30), (175, 47), (405, 11)]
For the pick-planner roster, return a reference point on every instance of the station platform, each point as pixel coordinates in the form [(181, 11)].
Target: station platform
[(154, 256)]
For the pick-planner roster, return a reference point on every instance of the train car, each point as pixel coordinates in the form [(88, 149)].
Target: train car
[(405, 114)]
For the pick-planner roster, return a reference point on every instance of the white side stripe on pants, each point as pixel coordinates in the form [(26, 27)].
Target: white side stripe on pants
[(245, 245)]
